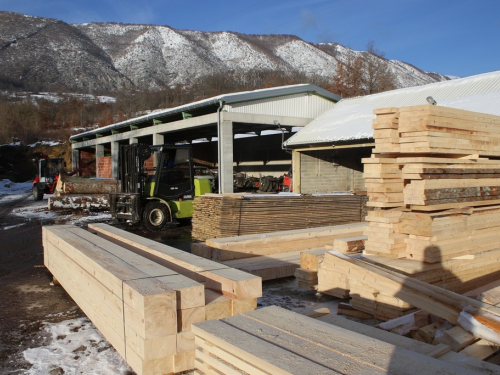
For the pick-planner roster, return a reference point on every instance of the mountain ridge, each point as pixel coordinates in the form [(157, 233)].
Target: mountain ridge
[(49, 53)]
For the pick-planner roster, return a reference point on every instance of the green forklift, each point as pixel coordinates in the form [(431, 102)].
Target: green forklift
[(158, 185)]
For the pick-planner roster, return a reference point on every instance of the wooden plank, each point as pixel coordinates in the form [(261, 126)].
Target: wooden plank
[(406, 324), (456, 338), (284, 241), (413, 345), (151, 348), (185, 342), (428, 332), (225, 356), (189, 293), (216, 305), (481, 349), (242, 306), (348, 310), (311, 259), (255, 351), (270, 267), (353, 346), (257, 214), (186, 317), (213, 275), (183, 362), (141, 366), (150, 307), (105, 320), (435, 300), (347, 245)]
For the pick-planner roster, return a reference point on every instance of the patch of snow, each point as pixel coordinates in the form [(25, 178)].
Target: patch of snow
[(467, 321), (46, 143), (76, 347), (12, 226), (14, 190)]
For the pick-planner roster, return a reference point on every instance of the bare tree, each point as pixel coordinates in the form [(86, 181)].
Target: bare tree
[(366, 73), (378, 75)]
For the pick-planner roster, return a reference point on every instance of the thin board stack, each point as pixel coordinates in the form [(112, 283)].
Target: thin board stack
[(433, 190), (229, 215), (273, 340), (144, 296)]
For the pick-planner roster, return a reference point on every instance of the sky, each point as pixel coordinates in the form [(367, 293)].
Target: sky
[(452, 37)]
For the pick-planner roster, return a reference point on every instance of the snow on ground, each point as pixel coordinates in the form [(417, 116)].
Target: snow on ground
[(46, 143), (76, 347), (10, 190), (37, 210)]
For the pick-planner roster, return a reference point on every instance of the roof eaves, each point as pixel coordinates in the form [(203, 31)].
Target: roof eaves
[(226, 98)]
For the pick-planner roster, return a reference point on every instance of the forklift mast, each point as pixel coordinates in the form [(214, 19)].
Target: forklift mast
[(170, 180)]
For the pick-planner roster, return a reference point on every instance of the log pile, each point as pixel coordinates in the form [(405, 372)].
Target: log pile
[(277, 341), (82, 193), (229, 215), (144, 302), (433, 190)]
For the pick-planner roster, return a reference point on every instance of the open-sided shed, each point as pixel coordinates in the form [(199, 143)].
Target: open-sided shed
[(233, 132)]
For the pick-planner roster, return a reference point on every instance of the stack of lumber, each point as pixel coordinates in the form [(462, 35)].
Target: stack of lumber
[(277, 341), (478, 318), (437, 236), (82, 193), (229, 215), (309, 272), (434, 199), (426, 129), (336, 277), (144, 296), (277, 254)]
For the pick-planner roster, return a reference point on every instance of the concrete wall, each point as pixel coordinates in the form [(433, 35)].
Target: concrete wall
[(327, 171)]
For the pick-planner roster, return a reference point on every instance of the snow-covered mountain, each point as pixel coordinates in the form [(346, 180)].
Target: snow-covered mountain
[(109, 56)]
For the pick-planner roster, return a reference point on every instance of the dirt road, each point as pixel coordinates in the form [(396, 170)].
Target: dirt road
[(27, 299), (28, 296)]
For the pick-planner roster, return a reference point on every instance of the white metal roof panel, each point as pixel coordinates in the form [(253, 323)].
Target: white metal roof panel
[(351, 119), (238, 97)]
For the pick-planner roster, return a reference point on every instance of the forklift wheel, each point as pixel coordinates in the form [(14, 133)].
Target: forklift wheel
[(37, 193), (155, 216)]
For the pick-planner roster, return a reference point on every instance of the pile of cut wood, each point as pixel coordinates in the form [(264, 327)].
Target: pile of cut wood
[(277, 341), (82, 193), (144, 296), (278, 254), (434, 195), (229, 215)]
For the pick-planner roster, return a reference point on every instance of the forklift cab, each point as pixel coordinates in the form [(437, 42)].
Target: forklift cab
[(48, 169), (174, 176)]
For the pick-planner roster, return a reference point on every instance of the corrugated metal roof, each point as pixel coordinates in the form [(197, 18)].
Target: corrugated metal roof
[(226, 98), (351, 119)]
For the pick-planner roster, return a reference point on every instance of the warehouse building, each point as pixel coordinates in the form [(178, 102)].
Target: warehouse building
[(327, 153), (241, 132)]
